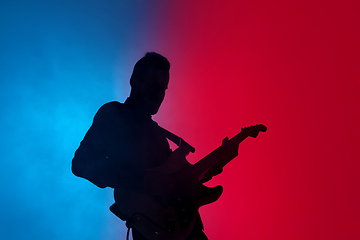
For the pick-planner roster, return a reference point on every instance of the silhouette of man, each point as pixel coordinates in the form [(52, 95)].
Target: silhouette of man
[(123, 141)]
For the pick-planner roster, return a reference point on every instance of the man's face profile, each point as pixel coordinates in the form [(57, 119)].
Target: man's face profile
[(152, 89)]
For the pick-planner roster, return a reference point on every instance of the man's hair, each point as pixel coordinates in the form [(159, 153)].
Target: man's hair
[(150, 60)]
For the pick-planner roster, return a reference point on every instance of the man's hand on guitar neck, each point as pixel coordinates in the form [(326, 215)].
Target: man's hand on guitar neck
[(231, 149)]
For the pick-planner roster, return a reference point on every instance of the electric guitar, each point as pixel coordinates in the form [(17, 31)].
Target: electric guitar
[(173, 216)]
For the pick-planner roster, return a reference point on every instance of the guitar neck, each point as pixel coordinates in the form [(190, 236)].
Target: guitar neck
[(219, 157)]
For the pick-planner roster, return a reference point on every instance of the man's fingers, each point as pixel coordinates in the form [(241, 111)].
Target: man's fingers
[(225, 140)]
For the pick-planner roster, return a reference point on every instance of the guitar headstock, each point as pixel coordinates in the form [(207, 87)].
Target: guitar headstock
[(253, 131)]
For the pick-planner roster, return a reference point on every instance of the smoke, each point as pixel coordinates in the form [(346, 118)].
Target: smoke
[(59, 63)]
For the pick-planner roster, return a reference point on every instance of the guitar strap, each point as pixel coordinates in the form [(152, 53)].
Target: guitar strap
[(176, 139)]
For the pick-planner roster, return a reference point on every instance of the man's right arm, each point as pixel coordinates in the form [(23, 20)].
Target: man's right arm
[(91, 160)]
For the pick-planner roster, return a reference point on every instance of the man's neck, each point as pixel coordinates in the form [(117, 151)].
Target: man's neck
[(136, 107)]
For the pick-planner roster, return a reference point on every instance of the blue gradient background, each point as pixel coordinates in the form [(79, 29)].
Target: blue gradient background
[(60, 61)]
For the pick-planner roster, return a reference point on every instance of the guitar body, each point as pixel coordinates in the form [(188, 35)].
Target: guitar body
[(170, 217), (172, 214)]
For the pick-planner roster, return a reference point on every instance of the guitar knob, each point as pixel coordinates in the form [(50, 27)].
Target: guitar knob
[(170, 222), (185, 222)]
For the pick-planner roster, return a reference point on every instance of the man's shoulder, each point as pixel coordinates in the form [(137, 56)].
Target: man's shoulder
[(110, 109), (112, 105)]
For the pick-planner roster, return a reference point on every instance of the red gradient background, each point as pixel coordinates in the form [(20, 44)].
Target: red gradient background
[(293, 66)]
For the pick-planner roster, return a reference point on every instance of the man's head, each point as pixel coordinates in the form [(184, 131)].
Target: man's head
[(149, 81)]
